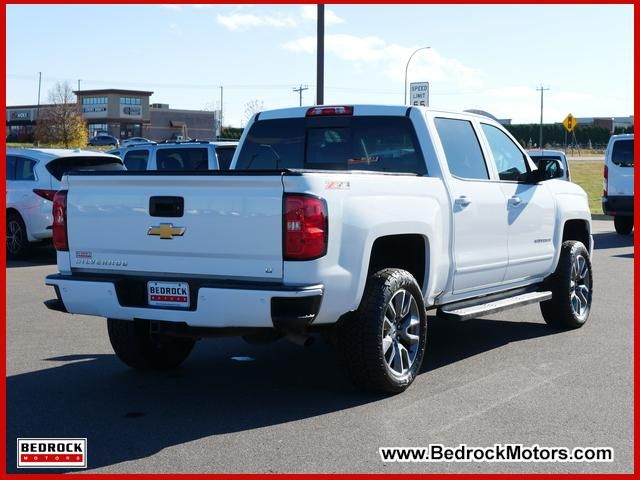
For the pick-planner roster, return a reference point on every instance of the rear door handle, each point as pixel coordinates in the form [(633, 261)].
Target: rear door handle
[(515, 200), (462, 201)]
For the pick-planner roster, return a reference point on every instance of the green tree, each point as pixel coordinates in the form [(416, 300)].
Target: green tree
[(61, 122)]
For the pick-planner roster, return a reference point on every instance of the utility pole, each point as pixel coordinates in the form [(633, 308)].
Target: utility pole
[(39, 85), (320, 58), (78, 84), (541, 89), (221, 106), (301, 89)]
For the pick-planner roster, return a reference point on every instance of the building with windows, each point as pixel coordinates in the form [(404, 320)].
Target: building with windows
[(123, 114)]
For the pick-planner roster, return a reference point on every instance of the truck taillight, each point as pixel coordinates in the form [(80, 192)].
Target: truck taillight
[(305, 227), (59, 227), (606, 181)]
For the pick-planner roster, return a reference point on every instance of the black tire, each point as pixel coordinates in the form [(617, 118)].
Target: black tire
[(16, 237), (363, 335), (572, 288), (136, 346), (623, 225)]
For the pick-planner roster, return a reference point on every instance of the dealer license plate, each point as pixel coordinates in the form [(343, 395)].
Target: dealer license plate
[(168, 294)]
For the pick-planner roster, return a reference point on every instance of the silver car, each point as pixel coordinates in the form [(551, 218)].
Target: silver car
[(537, 155)]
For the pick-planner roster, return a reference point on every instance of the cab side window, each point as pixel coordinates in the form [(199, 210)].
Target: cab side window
[(510, 161), (462, 149)]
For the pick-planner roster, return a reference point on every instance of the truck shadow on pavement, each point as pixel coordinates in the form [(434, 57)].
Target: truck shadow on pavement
[(606, 240), (128, 415)]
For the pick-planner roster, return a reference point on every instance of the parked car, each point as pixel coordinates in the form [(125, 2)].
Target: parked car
[(194, 155), (537, 155), (134, 141), (349, 220), (104, 140), (33, 177), (617, 195)]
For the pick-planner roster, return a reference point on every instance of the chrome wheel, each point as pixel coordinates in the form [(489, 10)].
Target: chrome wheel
[(15, 236), (580, 286), (400, 332)]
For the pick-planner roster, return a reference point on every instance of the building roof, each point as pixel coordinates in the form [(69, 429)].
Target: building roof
[(107, 91), (32, 106)]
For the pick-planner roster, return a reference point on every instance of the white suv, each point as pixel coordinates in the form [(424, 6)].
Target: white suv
[(33, 177), (169, 155), (617, 197)]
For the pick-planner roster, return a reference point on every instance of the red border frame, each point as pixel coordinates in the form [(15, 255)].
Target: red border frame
[(3, 324)]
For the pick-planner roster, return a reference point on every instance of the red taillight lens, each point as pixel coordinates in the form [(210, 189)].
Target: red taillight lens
[(305, 227), (60, 221), (606, 181), (320, 111), (46, 194)]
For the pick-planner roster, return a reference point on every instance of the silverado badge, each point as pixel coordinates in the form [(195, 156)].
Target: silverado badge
[(166, 231)]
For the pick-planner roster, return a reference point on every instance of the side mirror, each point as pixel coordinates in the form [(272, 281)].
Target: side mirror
[(548, 168)]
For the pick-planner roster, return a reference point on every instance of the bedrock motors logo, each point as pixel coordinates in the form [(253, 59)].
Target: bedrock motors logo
[(52, 453)]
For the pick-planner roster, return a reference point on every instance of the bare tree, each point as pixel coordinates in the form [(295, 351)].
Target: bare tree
[(250, 108), (61, 122)]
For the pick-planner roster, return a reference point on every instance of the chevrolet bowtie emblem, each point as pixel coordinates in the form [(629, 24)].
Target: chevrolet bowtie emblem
[(166, 231)]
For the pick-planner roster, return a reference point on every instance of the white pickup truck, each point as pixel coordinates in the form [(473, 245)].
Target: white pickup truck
[(352, 220)]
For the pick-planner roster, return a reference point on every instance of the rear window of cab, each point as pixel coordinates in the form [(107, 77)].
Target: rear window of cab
[(373, 143)]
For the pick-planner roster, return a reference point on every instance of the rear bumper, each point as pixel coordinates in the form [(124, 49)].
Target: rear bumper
[(213, 304), (618, 206)]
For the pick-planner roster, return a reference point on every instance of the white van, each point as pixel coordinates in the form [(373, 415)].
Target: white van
[(617, 197)]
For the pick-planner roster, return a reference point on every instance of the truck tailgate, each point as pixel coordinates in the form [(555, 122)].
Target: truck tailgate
[(230, 226)]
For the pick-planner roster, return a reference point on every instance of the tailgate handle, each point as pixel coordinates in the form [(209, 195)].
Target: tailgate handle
[(166, 206)]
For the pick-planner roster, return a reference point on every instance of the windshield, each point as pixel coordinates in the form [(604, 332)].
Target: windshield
[(622, 153), (384, 144), (59, 167)]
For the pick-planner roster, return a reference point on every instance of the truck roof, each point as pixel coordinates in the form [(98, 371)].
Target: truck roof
[(362, 109)]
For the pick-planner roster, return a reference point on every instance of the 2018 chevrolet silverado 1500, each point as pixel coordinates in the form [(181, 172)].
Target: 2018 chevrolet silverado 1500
[(354, 220)]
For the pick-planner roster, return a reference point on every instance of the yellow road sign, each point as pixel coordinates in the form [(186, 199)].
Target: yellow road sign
[(570, 123)]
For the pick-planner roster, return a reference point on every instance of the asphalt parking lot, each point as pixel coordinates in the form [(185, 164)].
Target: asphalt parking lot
[(233, 407)]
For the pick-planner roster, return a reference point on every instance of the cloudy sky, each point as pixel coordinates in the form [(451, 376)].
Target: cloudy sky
[(486, 57)]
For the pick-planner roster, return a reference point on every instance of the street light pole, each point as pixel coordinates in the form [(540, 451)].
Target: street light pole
[(221, 106), (406, 70)]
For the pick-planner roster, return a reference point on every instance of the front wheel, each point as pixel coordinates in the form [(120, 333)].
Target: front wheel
[(623, 225), (572, 288), (383, 342), (136, 346)]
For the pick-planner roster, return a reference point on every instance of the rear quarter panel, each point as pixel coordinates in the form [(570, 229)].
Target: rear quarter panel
[(362, 208)]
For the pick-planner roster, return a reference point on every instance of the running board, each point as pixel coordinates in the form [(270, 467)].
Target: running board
[(475, 311)]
